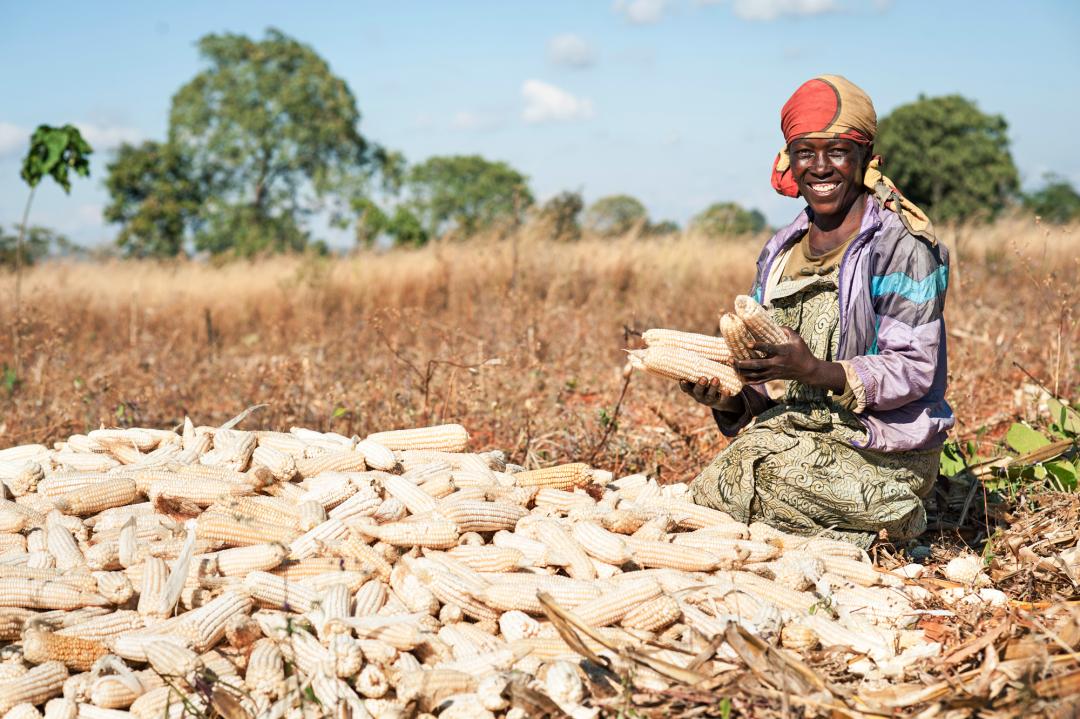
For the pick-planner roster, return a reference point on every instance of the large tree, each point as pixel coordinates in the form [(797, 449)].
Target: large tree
[(616, 215), (949, 157), (155, 198), (270, 131), (726, 219), (466, 193), (1056, 201)]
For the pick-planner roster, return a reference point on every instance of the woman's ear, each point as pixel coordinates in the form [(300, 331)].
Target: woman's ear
[(868, 154)]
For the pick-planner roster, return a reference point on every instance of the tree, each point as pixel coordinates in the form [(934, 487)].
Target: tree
[(405, 228), (1057, 201), (155, 197), (561, 213), (664, 227), (38, 243), (615, 215), (726, 219), (269, 130), (948, 157), (466, 193)]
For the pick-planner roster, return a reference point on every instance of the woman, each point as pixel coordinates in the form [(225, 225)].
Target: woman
[(842, 425)]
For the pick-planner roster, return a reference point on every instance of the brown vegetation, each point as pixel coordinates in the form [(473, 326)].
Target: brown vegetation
[(519, 340)]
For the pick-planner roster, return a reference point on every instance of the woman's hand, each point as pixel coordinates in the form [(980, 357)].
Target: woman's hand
[(791, 360), (709, 393)]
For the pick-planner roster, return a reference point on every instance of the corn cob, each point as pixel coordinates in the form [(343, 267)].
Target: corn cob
[(240, 561), (279, 593), (205, 626), (61, 708), (559, 541), (75, 653), (296, 570), (520, 594), (390, 510), (757, 321), (600, 543), (23, 711), (63, 547), (565, 476), (334, 692), (202, 493), (265, 669), (353, 547), (166, 703), (339, 461), (35, 687), (683, 365), (488, 558), (308, 543), (98, 497), (24, 479), (690, 515), (280, 464), (562, 501), (414, 499), (140, 439), (429, 687), (474, 516), (438, 487), (436, 534), (451, 589), (369, 598), (738, 337), (708, 346), (654, 615), (446, 437), (37, 594), (79, 462), (172, 661), (611, 607), (377, 456), (234, 532), (61, 483), (106, 627), (770, 591), (364, 503), (119, 691), (740, 550), (328, 490)]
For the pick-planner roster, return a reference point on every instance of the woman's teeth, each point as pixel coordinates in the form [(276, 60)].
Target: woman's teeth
[(824, 188)]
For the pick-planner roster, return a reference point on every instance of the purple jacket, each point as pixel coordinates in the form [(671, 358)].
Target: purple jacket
[(892, 295)]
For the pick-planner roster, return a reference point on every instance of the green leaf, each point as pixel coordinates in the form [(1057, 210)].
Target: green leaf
[(1065, 472), (1066, 417), (1023, 439), (725, 708), (952, 460), (1039, 471), (339, 412)]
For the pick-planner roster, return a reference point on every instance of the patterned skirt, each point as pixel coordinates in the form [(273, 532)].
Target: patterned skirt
[(796, 469)]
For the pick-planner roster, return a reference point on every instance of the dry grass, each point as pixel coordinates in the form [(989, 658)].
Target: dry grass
[(525, 352)]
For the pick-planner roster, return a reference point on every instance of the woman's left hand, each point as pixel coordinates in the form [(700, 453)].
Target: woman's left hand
[(791, 360)]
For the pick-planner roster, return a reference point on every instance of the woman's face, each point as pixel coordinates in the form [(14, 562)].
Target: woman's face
[(828, 172)]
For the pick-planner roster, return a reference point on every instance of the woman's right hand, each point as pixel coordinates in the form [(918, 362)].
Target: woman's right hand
[(709, 393)]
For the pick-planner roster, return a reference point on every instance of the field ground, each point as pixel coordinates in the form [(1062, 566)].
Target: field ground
[(519, 340)]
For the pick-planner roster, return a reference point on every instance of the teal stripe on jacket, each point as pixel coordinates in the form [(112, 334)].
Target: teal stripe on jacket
[(917, 291)]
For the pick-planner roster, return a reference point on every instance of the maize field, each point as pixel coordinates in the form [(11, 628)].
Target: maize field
[(547, 561), (216, 571)]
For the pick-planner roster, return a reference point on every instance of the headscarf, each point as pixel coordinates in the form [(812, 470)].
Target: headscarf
[(833, 107)]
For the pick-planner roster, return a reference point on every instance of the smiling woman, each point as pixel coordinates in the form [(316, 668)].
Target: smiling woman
[(839, 428)]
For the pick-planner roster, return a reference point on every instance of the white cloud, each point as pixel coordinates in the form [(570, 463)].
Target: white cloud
[(544, 103), (766, 10), (570, 50), (476, 121), (13, 140), (641, 12), (108, 137)]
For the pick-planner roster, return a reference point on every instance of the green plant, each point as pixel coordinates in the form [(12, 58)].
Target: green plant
[(615, 215), (54, 152), (948, 157)]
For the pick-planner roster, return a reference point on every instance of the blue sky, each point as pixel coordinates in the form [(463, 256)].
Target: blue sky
[(674, 101)]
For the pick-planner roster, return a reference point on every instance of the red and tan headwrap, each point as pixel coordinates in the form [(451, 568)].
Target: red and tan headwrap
[(832, 107)]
